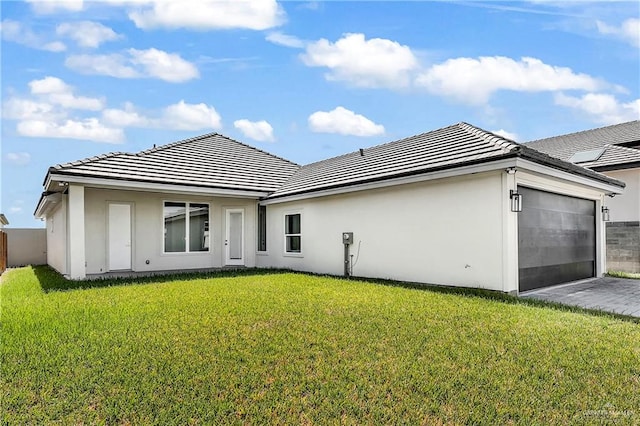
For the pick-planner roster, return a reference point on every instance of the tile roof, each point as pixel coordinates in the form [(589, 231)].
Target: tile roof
[(212, 161), (615, 155), (448, 147), (564, 146)]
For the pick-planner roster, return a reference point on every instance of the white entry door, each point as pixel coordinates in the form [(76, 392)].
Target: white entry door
[(234, 238), (119, 237)]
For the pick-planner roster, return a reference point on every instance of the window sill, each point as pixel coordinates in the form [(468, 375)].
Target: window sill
[(182, 253), (286, 254)]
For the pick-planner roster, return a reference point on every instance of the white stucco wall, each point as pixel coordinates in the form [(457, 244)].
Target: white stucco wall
[(625, 207), (447, 231), (57, 237), (148, 226)]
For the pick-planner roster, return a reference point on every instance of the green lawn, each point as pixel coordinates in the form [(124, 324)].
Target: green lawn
[(293, 348)]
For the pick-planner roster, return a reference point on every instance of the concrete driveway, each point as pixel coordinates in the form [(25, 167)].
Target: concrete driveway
[(618, 295)]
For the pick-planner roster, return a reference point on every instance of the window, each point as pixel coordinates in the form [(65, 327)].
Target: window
[(292, 234), (186, 227), (262, 228)]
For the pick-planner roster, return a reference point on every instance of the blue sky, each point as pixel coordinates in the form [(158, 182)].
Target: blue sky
[(303, 80)]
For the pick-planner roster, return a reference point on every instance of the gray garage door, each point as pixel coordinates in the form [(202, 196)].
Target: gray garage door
[(556, 239)]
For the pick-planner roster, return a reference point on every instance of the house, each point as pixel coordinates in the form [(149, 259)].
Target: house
[(457, 206), (615, 152)]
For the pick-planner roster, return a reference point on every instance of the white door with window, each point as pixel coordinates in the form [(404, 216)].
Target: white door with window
[(234, 237), (119, 237)]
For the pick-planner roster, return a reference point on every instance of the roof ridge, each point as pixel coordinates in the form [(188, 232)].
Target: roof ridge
[(626, 123), (506, 144), (209, 135)]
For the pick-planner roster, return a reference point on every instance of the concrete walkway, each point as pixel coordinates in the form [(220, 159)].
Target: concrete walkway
[(618, 295)]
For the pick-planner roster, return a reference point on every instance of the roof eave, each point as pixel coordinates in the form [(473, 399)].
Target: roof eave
[(154, 186)]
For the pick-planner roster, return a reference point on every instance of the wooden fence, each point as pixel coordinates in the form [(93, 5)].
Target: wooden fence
[(3, 251)]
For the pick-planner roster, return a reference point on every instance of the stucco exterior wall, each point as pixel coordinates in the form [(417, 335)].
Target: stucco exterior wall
[(442, 232), (625, 207), (148, 227), (57, 237), (26, 246)]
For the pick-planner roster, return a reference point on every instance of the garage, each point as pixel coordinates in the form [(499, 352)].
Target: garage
[(556, 239)]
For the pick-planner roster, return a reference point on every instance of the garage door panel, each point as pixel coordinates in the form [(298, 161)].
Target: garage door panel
[(556, 237), (543, 276), (547, 256)]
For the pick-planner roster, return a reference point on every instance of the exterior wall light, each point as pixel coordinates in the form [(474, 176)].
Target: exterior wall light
[(605, 213), (516, 201)]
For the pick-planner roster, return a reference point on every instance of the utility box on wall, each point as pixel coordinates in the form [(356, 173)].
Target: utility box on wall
[(347, 238)]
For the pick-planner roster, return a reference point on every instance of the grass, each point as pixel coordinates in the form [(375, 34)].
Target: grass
[(292, 348), (620, 274)]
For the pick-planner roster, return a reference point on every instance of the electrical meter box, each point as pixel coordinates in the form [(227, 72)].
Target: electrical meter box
[(347, 238)]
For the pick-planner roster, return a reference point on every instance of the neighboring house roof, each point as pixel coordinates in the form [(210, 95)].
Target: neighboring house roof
[(3, 220), (610, 138), (210, 161), (449, 147), (614, 157)]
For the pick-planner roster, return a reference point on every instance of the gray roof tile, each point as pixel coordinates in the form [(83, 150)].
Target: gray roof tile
[(564, 146), (448, 147), (614, 155), (212, 161)]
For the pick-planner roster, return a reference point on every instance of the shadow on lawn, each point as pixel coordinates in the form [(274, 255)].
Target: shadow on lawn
[(51, 280)]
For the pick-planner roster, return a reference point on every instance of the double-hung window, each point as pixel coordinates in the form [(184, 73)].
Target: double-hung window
[(292, 234), (186, 227)]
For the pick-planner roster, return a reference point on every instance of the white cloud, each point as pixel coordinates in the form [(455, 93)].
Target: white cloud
[(286, 40), (257, 130), (19, 158), (53, 6), (208, 14), (87, 33), (183, 116), (127, 117), (165, 66), (87, 129), (602, 108), (179, 116), (18, 33), (28, 109), (113, 65), (365, 63), (47, 113), (58, 92), (506, 134), (150, 63), (474, 80), (344, 122), (628, 31)]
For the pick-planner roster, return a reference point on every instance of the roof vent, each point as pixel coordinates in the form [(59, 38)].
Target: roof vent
[(361, 152), (586, 156)]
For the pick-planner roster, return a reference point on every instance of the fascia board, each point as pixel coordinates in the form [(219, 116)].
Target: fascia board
[(154, 187), (582, 180)]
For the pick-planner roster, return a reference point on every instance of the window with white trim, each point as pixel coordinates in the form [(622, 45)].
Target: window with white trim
[(292, 234), (186, 227)]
